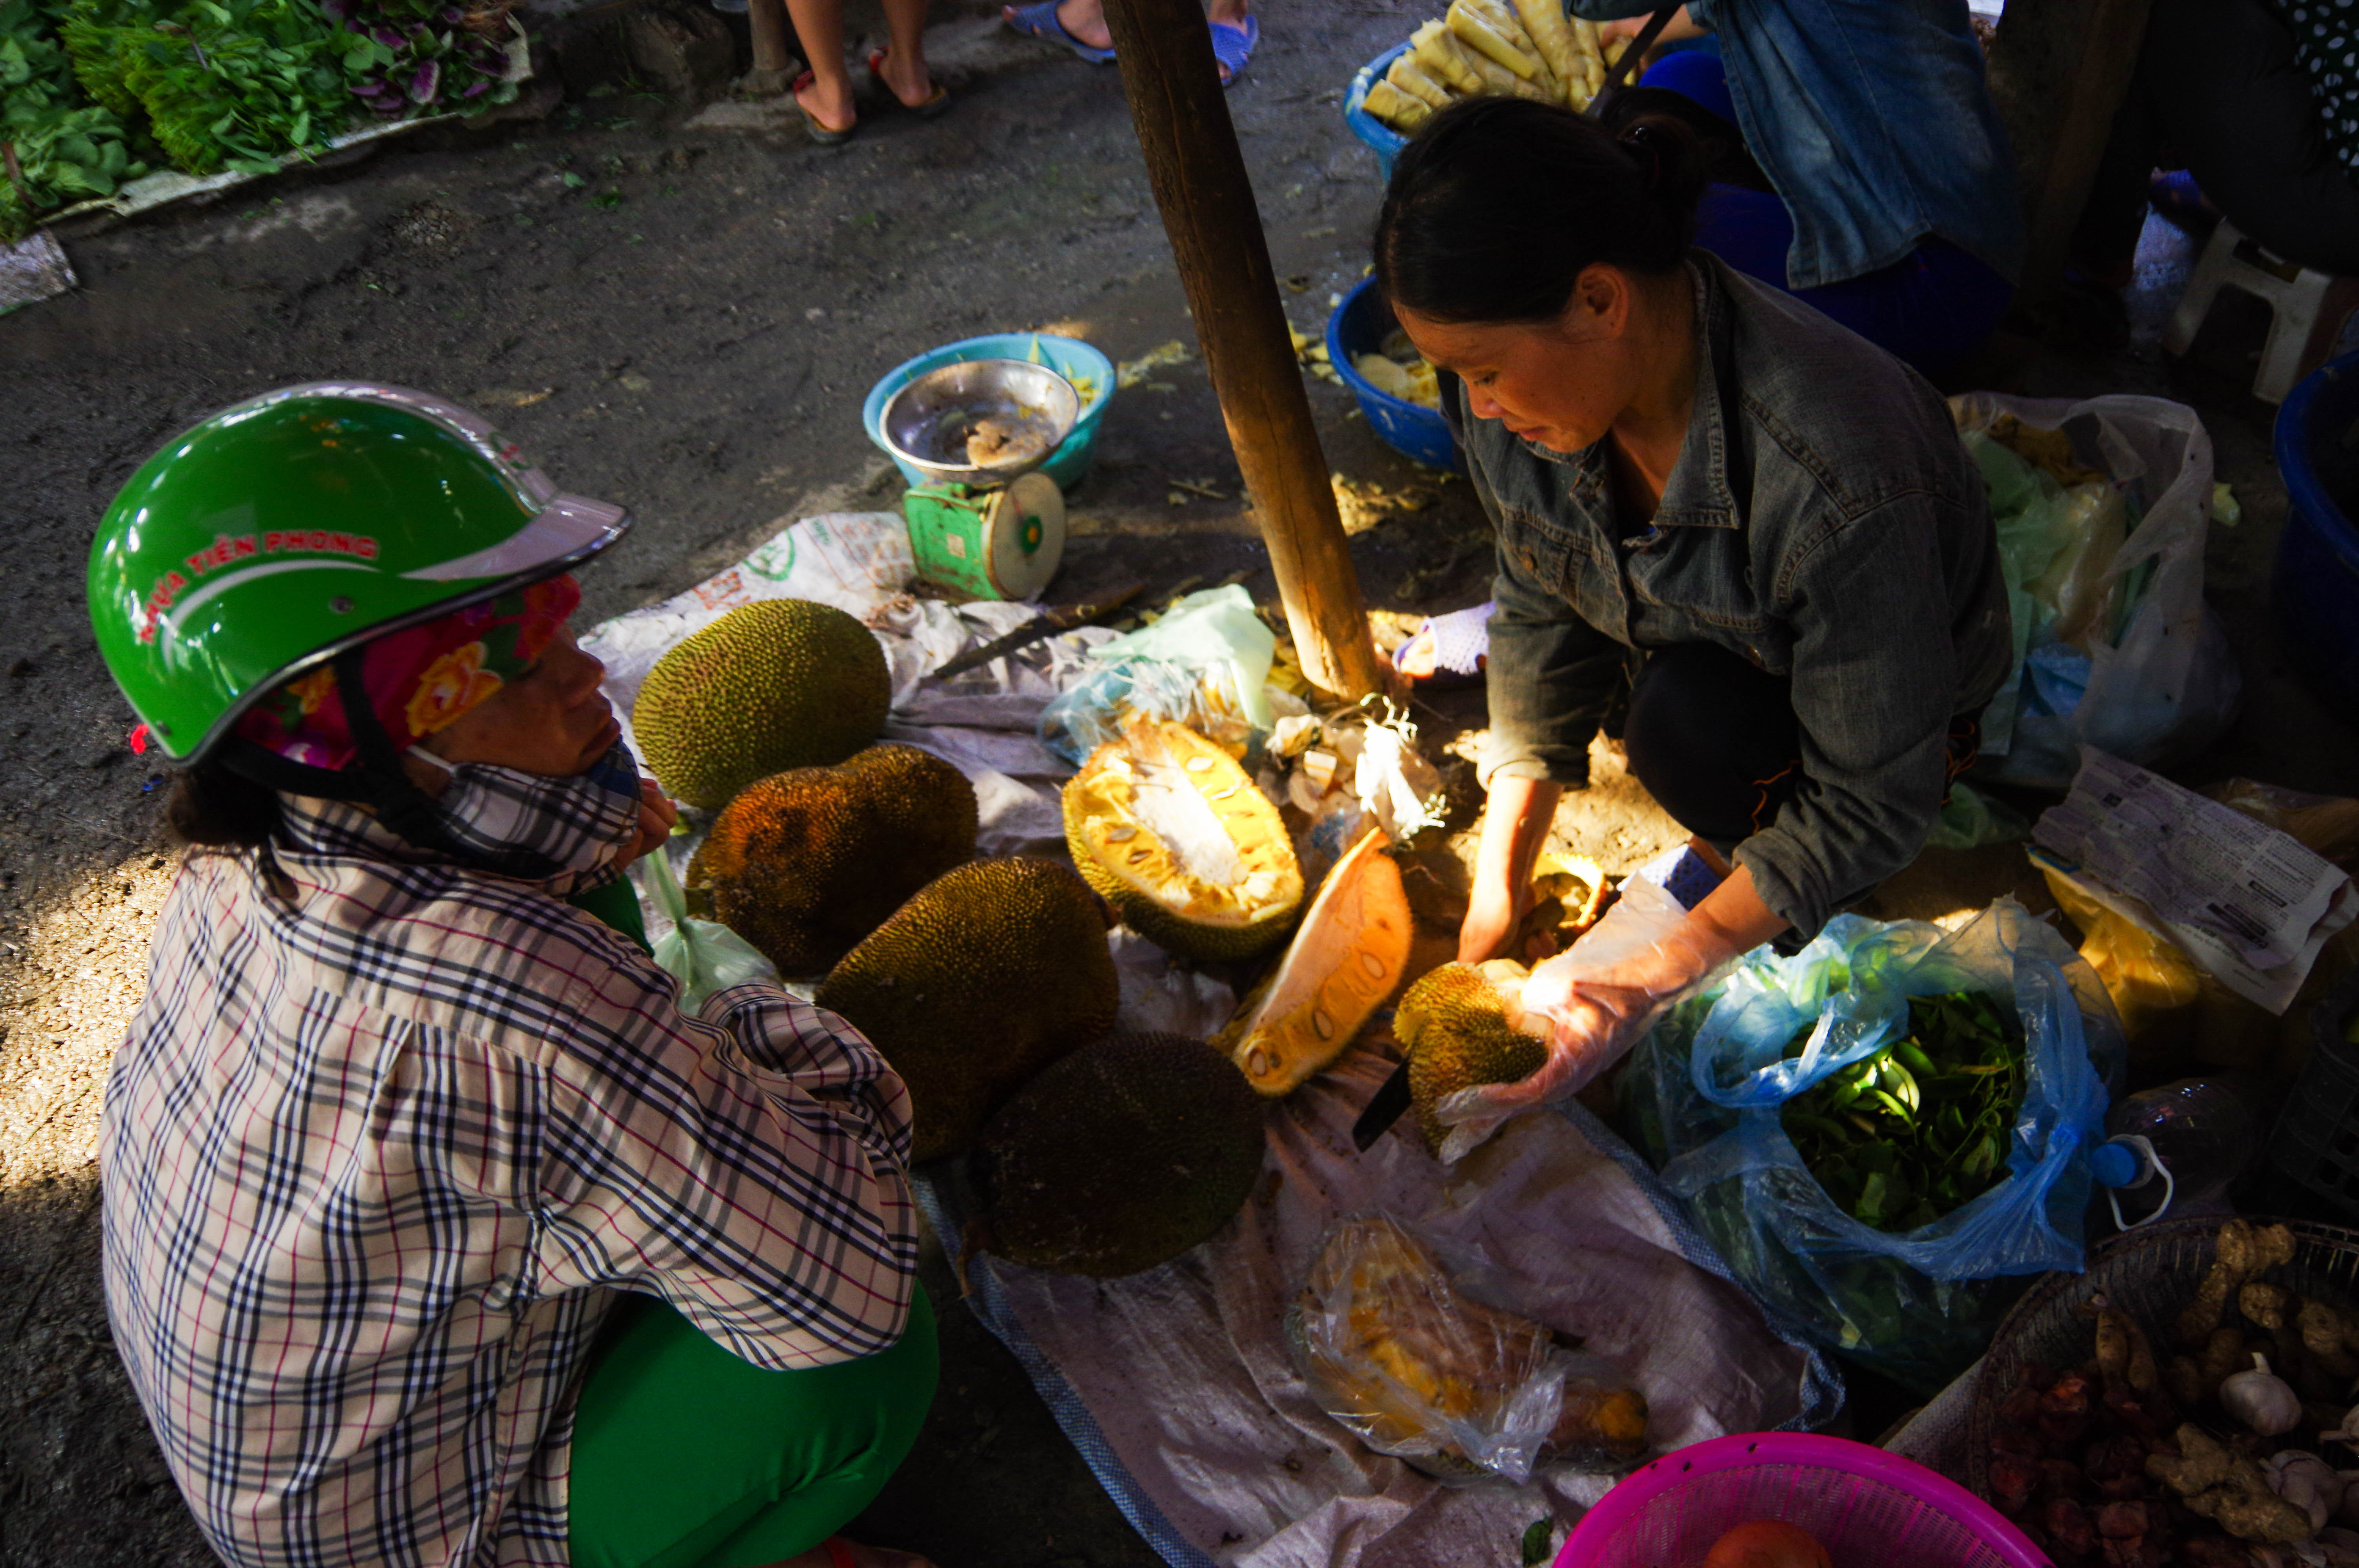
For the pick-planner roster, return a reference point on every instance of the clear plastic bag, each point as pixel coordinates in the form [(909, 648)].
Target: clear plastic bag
[(1393, 1349), (704, 956), (1204, 665), (1708, 1082), (2134, 661)]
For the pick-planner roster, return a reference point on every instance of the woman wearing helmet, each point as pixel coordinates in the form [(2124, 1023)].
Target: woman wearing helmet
[(435, 1230)]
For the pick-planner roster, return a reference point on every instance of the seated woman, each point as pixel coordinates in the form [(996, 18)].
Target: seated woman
[(1699, 479), (1891, 196), (435, 1230)]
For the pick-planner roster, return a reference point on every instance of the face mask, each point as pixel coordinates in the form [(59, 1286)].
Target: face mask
[(538, 826)]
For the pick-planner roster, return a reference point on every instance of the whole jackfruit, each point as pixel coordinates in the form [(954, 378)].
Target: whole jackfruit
[(993, 971), (1459, 1026), (1122, 1155), (1170, 831), (777, 684), (803, 864)]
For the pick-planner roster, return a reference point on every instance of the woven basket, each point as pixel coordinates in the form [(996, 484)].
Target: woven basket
[(2149, 1273)]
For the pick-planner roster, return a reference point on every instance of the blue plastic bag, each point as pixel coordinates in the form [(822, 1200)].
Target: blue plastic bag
[(1707, 1085)]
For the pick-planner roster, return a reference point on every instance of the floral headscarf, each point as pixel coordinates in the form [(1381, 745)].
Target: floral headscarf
[(419, 679)]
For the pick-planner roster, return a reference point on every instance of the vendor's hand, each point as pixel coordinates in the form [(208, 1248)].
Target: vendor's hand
[(1495, 913), (656, 814)]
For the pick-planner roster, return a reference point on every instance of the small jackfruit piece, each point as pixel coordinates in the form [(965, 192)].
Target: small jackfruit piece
[(1459, 1026), (1434, 47), (805, 863), (1122, 1155), (1192, 855), (994, 970), (1351, 951), (1407, 76), (1395, 108), (777, 684)]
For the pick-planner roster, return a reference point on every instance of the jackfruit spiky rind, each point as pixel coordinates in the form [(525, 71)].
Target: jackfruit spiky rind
[(1124, 1155), (1357, 935), (805, 863), (775, 685), (1453, 1023), (994, 970), (1092, 808)]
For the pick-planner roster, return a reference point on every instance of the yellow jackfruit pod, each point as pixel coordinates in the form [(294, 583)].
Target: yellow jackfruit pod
[(1383, 374), (1544, 23), (1395, 108)]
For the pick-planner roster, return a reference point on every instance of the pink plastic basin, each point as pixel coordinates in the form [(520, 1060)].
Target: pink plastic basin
[(1867, 1507)]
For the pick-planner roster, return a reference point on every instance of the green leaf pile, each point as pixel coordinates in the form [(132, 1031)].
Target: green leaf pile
[(223, 83), (1902, 1136), (55, 148)]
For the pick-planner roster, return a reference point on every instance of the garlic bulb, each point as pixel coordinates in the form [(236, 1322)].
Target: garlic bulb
[(2261, 1400), (2307, 1482)]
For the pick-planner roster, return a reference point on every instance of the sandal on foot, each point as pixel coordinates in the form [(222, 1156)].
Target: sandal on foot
[(1233, 45), (939, 101), (1039, 21), (819, 133)]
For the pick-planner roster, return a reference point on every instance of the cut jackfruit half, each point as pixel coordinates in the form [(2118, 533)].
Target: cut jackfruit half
[(1352, 950), (1169, 829)]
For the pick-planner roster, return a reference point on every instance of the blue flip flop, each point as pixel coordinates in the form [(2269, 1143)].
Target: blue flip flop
[(1039, 21), (1232, 46)]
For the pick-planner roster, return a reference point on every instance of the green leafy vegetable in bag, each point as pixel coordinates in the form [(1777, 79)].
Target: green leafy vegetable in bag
[(1901, 1138), (54, 148)]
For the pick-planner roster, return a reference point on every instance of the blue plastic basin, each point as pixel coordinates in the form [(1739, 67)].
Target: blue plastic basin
[(1360, 326), (2316, 590), (1381, 138), (1090, 372)]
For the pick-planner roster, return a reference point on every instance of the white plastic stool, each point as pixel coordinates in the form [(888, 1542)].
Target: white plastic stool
[(2308, 308)]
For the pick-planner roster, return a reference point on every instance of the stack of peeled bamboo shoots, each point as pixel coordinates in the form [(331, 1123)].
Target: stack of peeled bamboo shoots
[(1524, 49)]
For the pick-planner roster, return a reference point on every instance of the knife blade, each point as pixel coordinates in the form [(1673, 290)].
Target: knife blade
[(1390, 1102), (1039, 626)]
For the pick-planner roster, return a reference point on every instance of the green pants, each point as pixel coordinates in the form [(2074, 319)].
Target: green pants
[(685, 1456)]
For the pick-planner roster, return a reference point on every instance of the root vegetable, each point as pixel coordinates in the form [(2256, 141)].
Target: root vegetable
[(2125, 1357), (2234, 1493), (2186, 1382), (2325, 1334), (2243, 1250), (2224, 1354)]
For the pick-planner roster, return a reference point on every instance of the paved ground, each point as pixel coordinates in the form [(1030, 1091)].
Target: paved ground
[(685, 319)]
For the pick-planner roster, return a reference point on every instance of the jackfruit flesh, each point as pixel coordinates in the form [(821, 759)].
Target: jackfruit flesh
[(1461, 1025), (1351, 951), (1169, 829), (777, 684), (805, 863), (1124, 1155), (994, 970)]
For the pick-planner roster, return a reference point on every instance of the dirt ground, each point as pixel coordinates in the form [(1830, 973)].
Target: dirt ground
[(685, 319)]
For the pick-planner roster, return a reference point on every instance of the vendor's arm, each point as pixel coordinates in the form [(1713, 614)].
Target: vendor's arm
[(749, 1165), (1875, 683), (1516, 822)]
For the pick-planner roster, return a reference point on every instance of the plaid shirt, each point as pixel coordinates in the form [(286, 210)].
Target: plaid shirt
[(386, 1139)]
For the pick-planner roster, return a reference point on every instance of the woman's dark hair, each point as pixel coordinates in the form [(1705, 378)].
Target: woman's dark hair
[(214, 808), (1497, 205)]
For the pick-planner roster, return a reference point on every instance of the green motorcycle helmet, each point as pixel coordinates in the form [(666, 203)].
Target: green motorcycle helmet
[(293, 528)]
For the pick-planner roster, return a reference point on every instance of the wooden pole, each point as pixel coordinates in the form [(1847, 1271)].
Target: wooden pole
[(2059, 71), (771, 55), (1199, 175)]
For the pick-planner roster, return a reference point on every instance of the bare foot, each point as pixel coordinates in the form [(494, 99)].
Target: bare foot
[(862, 1557), (908, 80), (830, 103), (1085, 20)]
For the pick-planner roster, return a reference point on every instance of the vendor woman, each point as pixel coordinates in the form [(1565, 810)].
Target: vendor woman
[(1710, 500), (437, 1229)]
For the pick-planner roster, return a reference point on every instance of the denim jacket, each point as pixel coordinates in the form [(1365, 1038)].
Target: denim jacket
[(1822, 520), (1873, 120)]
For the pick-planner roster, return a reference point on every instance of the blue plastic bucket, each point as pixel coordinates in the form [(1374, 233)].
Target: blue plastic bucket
[(2316, 590), (1381, 138), (1090, 372), (1360, 326)]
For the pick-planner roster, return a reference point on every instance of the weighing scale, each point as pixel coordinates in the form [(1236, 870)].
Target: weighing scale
[(984, 524)]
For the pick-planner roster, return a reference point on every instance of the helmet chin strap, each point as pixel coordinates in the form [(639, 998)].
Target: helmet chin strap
[(374, 779)]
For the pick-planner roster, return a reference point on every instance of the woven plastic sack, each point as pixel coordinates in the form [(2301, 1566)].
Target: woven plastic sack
[(2147, 674), (1710, 1079)]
